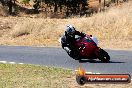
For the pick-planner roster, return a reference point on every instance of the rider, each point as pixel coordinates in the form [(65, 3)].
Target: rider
[(68, 41)]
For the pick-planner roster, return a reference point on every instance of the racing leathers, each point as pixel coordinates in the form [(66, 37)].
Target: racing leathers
[(68, 44)]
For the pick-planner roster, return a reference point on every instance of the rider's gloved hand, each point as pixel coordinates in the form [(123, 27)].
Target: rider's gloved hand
[(83, 34)]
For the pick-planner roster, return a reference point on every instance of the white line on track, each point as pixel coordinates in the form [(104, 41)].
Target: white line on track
[(12, 62), (20, 63), (3, 62)]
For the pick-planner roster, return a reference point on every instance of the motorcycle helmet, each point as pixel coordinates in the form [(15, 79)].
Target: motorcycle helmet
[(70, 29)]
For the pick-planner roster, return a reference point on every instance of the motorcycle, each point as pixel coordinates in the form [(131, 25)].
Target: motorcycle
[(88, 48)]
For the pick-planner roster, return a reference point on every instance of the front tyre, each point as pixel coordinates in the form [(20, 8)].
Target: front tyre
[(103, 56)]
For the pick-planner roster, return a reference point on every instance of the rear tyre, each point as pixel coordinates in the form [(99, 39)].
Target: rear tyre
[(103, 56)]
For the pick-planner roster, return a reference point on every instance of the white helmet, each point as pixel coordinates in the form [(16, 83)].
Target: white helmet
[(70, 29)]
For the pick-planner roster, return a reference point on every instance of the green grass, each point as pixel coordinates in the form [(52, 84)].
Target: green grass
[(31, 76)]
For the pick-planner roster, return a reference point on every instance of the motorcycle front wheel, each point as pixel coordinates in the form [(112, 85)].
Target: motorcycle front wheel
[(103, 56)]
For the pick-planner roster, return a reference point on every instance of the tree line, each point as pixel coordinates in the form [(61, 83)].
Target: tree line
[(67, 6), (73, 6)]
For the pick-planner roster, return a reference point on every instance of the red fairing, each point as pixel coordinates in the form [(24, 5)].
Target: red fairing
[(87, 46)]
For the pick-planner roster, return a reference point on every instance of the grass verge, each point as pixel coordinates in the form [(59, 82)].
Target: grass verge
[(31, 76)]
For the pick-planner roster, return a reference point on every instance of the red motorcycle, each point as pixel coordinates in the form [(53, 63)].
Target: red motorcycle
[(88, 49)]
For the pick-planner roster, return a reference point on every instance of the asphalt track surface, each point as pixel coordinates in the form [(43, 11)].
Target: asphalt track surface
[(121, 60)]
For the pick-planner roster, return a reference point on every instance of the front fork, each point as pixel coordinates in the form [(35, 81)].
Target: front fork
[(97, 52)]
